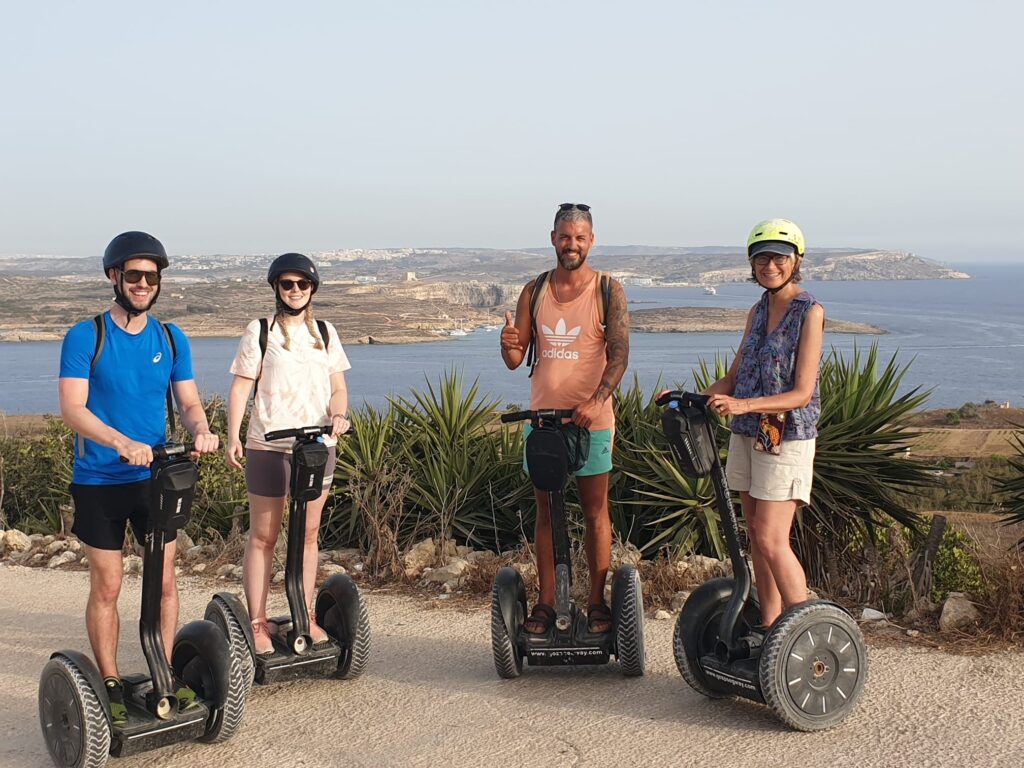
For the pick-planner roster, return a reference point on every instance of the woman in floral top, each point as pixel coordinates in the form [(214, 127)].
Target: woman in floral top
[(771, 391)]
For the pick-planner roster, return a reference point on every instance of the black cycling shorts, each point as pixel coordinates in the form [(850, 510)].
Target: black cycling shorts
[(103, 511)]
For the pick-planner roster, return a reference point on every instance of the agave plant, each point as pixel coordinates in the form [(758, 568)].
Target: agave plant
[(1011, 489), (364, 456), (456, 462)]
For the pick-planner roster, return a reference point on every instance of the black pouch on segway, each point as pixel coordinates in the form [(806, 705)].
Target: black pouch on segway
[(687, 430), (310, 463), (547, 458), (173, 487)]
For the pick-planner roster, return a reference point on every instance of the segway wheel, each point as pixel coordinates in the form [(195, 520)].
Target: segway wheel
[(508, 590), (75, 726), (204, 661), (813, 666), (628, 621), (227, 614), (696, 632), (341, 611)]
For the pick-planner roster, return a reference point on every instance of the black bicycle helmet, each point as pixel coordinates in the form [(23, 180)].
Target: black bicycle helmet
[(134, 245), (293, 262)]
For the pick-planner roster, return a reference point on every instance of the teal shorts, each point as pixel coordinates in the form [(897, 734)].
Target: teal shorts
[(599, 460)]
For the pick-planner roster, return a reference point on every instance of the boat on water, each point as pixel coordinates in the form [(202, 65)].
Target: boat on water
[(709, 290), (458, 332)]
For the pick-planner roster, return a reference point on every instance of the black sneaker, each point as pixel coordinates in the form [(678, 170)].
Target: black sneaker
[(115, 695)]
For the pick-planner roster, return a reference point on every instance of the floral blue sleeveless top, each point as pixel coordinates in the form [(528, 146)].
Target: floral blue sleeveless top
[(768, 367)]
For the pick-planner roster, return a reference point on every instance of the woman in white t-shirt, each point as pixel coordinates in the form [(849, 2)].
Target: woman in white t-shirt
[(300, 382)]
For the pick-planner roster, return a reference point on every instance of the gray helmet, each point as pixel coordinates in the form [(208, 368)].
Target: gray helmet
[(134, 245)]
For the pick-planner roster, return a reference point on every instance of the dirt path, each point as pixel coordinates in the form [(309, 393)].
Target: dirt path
[(431, 697)]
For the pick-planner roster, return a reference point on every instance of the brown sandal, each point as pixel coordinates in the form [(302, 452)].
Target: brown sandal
[(541, 618)]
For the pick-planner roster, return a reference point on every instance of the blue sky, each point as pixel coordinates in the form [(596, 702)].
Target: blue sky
[(260, 127)]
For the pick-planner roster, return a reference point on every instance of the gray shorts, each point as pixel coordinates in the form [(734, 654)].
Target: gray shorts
[(785, 477), (267, 473)]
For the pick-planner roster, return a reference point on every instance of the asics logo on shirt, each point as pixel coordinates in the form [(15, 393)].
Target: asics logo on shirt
[(560, 337), (157, 357)]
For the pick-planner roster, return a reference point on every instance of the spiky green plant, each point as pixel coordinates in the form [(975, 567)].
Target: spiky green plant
[(455, 461), (1010, 490)]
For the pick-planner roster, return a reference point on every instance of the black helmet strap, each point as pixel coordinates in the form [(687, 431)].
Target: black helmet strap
[(283, 308)]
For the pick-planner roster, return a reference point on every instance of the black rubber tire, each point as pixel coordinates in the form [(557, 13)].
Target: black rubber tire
[(71, 715), (696, 632), (220, 613), (813, 658), (355, 654), (508, 660), (203, 660), (628, 621)]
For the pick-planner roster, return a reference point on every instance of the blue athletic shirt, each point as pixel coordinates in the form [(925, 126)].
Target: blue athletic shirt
[(127, 390)]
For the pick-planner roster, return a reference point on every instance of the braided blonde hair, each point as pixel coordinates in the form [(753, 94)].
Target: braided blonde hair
[(310, 326)]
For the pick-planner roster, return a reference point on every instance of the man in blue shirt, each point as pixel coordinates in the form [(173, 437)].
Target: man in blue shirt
[(115, 401)]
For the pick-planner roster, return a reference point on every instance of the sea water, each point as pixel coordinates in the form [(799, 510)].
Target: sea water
[(962, 339)]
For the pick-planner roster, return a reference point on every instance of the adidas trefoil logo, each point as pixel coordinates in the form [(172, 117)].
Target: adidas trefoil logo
[(560, 337)]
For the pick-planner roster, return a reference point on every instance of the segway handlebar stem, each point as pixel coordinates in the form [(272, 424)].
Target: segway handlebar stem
[(727, 648)]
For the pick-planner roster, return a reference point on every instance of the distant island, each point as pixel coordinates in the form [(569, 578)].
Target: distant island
[(409, 294)]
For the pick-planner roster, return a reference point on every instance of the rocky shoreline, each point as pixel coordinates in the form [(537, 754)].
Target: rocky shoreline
[(718, 320)]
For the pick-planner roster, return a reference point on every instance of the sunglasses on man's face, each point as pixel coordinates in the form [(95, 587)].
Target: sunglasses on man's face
[(134, 275), (571, 206), (289, 284)]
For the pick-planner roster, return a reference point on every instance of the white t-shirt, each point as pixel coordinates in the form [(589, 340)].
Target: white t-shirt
[(294, 388)]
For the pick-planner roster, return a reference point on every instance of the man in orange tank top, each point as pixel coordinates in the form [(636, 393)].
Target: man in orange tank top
[(580, 361)]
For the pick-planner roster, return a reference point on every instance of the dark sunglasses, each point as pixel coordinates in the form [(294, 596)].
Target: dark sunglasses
[(134, 275), (571, 206), (289, 284), (780, 259)]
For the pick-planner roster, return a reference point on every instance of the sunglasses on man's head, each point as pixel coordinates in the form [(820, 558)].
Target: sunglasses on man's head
[(289, 284), (571, 206), (134, 275)]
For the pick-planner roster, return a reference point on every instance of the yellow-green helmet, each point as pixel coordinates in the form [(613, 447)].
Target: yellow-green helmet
[(776, 231)]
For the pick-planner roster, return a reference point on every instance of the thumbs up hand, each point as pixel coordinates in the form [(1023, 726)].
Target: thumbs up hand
[(510, 335)]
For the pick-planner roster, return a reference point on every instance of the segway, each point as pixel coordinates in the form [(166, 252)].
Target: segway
[(810, 667), (569, 641), (74, 710), (340, 609)]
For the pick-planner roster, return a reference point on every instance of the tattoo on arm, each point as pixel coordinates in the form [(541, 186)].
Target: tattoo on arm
[(617, 340)]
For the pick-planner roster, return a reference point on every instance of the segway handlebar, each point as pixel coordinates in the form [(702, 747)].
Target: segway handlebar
[(686, 399), (166, 451), (281, 434), (543, 413)]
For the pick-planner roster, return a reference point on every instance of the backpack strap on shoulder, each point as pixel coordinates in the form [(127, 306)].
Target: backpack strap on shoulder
[(174, 358), (101, 338), (264, 334), (604, 297), (540, 285), (322, 327)]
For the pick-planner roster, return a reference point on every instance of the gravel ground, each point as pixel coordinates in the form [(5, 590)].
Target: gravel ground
[(430, 697)]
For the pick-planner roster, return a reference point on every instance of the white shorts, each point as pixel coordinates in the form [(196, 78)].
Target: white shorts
[(771, 478)]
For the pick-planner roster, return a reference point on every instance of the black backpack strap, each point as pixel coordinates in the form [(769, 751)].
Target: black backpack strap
[(174, 358), (322, 327), (264, 334), (101, 338), (539, 286), (605, 298)]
